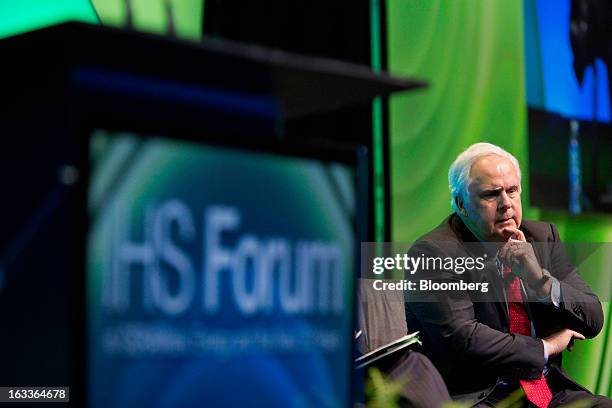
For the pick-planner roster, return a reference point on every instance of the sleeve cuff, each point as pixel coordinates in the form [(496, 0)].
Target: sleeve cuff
[(555, 293), (545, 352)]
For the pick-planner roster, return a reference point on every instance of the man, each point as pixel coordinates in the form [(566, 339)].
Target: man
[(490, 345)]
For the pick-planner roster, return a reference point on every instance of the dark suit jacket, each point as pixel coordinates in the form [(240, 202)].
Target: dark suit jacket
[(466, 334)]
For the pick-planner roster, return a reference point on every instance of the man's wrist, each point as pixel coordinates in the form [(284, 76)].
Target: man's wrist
[(550, 293), (539, 283)]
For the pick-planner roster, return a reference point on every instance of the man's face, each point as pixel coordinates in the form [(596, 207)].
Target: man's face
[(494, 199)]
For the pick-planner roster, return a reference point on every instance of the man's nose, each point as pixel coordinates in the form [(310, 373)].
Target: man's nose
[(504, 202)]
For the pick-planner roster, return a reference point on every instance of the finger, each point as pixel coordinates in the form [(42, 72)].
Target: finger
[(507, 250), (519, 235), (504, 248), (502, 253), (507, 233), (577, 335), (515, 253), (518, 251), (507, 258), (523, 254), (516, 234)]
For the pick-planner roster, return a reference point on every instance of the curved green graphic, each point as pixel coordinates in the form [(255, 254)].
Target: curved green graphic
[(468, 53), (26, 15)]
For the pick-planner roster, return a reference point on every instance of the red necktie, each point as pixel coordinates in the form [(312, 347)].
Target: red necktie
[(537, 391)]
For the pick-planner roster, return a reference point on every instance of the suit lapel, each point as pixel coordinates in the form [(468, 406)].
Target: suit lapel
[(498, 294)]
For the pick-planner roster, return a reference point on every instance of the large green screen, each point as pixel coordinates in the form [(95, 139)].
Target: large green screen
[(471, 54)]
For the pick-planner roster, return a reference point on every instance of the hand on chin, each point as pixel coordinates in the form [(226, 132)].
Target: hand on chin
[(506, 229)]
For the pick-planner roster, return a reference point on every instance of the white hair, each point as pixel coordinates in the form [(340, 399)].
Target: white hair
[(459, 171)]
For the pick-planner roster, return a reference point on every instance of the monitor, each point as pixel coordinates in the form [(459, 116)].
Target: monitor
[(218, 274)]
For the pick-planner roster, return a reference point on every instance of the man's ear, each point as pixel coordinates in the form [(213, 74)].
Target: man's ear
[(460, 205)]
